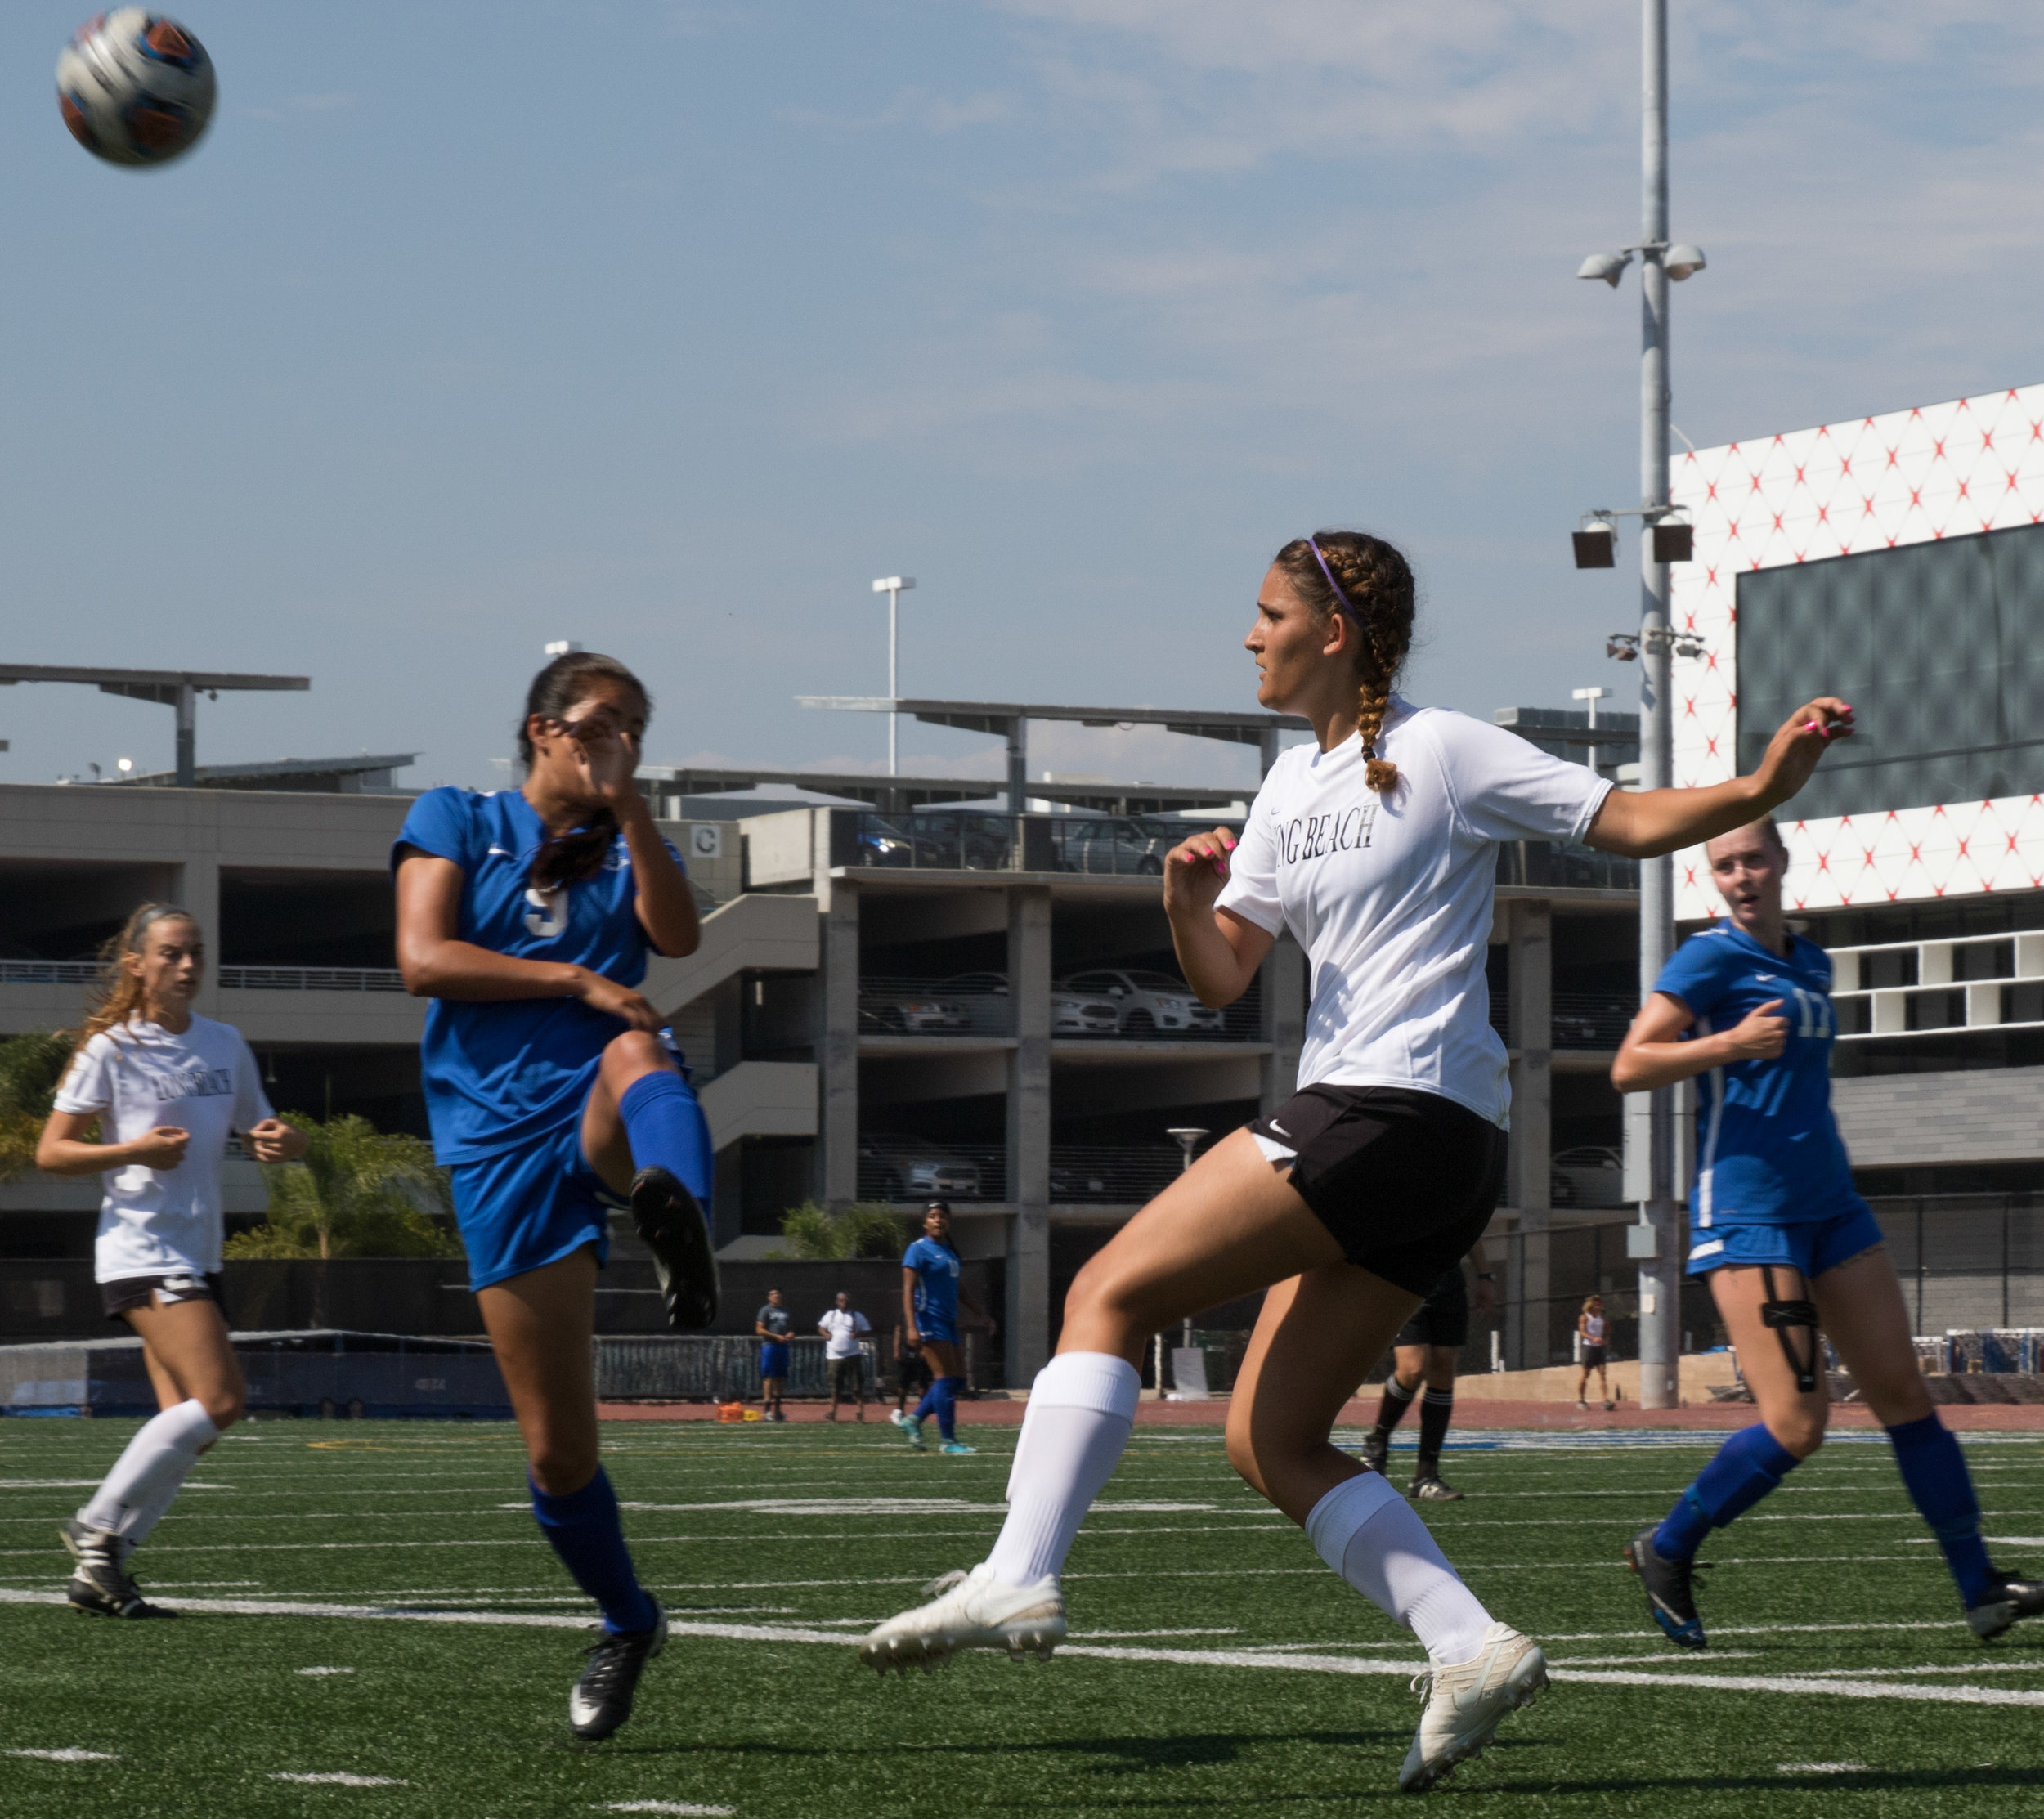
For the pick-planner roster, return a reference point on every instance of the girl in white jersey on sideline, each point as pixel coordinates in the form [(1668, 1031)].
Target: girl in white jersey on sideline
[(166, 1087), (1591, 1329), (1376, 845)]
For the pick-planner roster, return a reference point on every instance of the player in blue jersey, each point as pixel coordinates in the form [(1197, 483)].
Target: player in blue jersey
[(526, 915), (1788, 1245), (931, 1298)]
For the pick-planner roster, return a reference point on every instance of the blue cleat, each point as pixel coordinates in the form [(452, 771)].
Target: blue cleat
[(955, 1446), (911, 1429), (1670, 1591)]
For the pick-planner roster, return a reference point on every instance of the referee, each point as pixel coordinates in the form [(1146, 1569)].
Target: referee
[(1426, 1350)]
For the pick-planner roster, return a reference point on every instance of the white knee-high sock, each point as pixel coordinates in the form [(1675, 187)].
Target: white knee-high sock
[(1374, 1539), (1081, 1409), (148, 1475)]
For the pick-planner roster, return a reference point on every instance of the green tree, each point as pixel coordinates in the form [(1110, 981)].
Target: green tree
[(815, 1234), (358, 1191), (30, 1067)]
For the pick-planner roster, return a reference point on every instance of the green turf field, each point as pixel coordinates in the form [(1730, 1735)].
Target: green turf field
[(371, 1601)]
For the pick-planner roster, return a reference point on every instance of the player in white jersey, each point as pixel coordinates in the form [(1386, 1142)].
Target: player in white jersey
[(1376, 845), (166, 1087)]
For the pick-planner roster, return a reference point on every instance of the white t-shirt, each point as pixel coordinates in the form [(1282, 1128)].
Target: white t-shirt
[(164, 1222), (1390, 895), (842, 1329)]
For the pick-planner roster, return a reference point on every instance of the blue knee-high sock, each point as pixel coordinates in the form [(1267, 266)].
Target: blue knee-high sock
[(1747, 1467), (932, 1402), (666, 1129), (1934, 1470), (945, 1390), (584, 1529)]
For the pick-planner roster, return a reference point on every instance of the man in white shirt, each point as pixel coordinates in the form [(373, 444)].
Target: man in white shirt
[(842, 1329)]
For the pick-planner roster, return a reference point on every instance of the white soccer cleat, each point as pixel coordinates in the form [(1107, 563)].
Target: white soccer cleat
[(972, 1610), (1465, 1702)]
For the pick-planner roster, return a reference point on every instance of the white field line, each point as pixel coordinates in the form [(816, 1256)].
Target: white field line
[(1820, 1768), (341, 1778), (62, 1755), (1838, 1685), (317, 1672), (664, 1806)]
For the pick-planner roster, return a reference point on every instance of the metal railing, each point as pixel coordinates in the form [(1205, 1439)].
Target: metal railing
[(1554, 865), (1578, 1020), (972, 1004), (968, 840), (1111, 1175), (706, 1367), (979, 1004), (908, 1172), (311, 978), (48, 972)]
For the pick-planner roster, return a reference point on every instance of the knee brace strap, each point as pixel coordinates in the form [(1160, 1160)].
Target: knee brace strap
[(1782, 1315)]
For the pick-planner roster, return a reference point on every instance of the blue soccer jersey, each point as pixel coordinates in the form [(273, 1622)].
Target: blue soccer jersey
[(936, 1267), (500, 1072), (1768, 1150)]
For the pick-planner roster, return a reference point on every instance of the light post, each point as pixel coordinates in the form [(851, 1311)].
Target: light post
[(1650, 1131), (1593, 696), (894, 586), (1187, 1137)]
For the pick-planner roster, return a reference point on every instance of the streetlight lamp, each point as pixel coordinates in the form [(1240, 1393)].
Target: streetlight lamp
[(1650, 1117), (894, 586), (1593, 696)]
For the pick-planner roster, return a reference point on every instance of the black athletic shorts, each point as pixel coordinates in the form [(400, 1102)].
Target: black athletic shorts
[(1442, 1318), (913, 1371), (1593, 1357), (848, 1375), (118, 1297), (1404, 1180)]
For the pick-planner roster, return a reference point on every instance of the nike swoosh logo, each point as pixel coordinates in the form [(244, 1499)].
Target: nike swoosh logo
[(1278, 1128), (502, 852)]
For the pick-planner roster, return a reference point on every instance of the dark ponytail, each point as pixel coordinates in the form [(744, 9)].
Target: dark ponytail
[(569, 859)]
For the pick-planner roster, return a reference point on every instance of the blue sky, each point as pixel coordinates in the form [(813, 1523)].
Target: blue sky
[(666, 327)]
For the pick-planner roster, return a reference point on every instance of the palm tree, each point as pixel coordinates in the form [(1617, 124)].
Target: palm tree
[(358, 1191)]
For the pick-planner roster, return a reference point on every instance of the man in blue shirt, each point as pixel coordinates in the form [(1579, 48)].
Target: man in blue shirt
[(772, 1325)]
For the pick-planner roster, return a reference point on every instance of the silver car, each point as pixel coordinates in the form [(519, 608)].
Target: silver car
[(1147, 1003), (898, 1167)]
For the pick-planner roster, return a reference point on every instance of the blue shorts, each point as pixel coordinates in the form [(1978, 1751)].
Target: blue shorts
[(938, 1327), (773, 1361), (525, 1207), (1812, 1246)]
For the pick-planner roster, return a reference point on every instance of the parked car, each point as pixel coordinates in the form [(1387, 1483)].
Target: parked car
[(975, 842), (1116, 844), (1083, 1013), (1069, 1183), (882, 843), (1148, 1003), (1591, 1175), (896, 1167), (909, 1009)]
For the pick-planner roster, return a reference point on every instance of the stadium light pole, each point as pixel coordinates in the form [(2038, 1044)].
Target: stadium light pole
[(894, 586), (1650, 1119)]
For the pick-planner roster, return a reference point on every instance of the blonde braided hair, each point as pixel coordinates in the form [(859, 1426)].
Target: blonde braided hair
[(1364, 578)]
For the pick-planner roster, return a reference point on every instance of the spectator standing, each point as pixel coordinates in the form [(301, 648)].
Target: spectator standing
[(1591, 1329), (772, 1325), (842, 1329)]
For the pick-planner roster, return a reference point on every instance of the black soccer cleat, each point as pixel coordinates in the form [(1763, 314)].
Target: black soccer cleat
[(1377, 1451), (1670, 1591), (100, 1584), (684, 1259), (602, 1700), (1430, 1487), (2009, 1599)]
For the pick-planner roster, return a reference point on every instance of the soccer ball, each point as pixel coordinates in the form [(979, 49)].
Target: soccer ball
[(135, 87)]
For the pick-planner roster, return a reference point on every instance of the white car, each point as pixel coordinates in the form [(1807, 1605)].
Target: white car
[(1147, 1003), (1074, 1012)]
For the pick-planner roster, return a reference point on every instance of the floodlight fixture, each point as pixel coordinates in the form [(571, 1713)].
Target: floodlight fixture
[(893, 584), (1622, 646), (561, 646), (1686, 646), (1683, 260), (1596, 541), (1674, 541), (1608, 266)]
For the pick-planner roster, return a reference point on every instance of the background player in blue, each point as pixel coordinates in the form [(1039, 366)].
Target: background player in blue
[(1745, 1008), (929, 1301), (526, 915)]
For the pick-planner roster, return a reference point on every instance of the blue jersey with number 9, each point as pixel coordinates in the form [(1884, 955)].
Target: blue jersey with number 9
[(1768, 1148), (500, 1072)]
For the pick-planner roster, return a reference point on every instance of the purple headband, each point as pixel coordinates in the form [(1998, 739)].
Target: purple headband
[(1347, 605)]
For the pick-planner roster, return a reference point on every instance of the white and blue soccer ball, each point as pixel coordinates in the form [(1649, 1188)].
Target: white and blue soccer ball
[(134, 87)]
